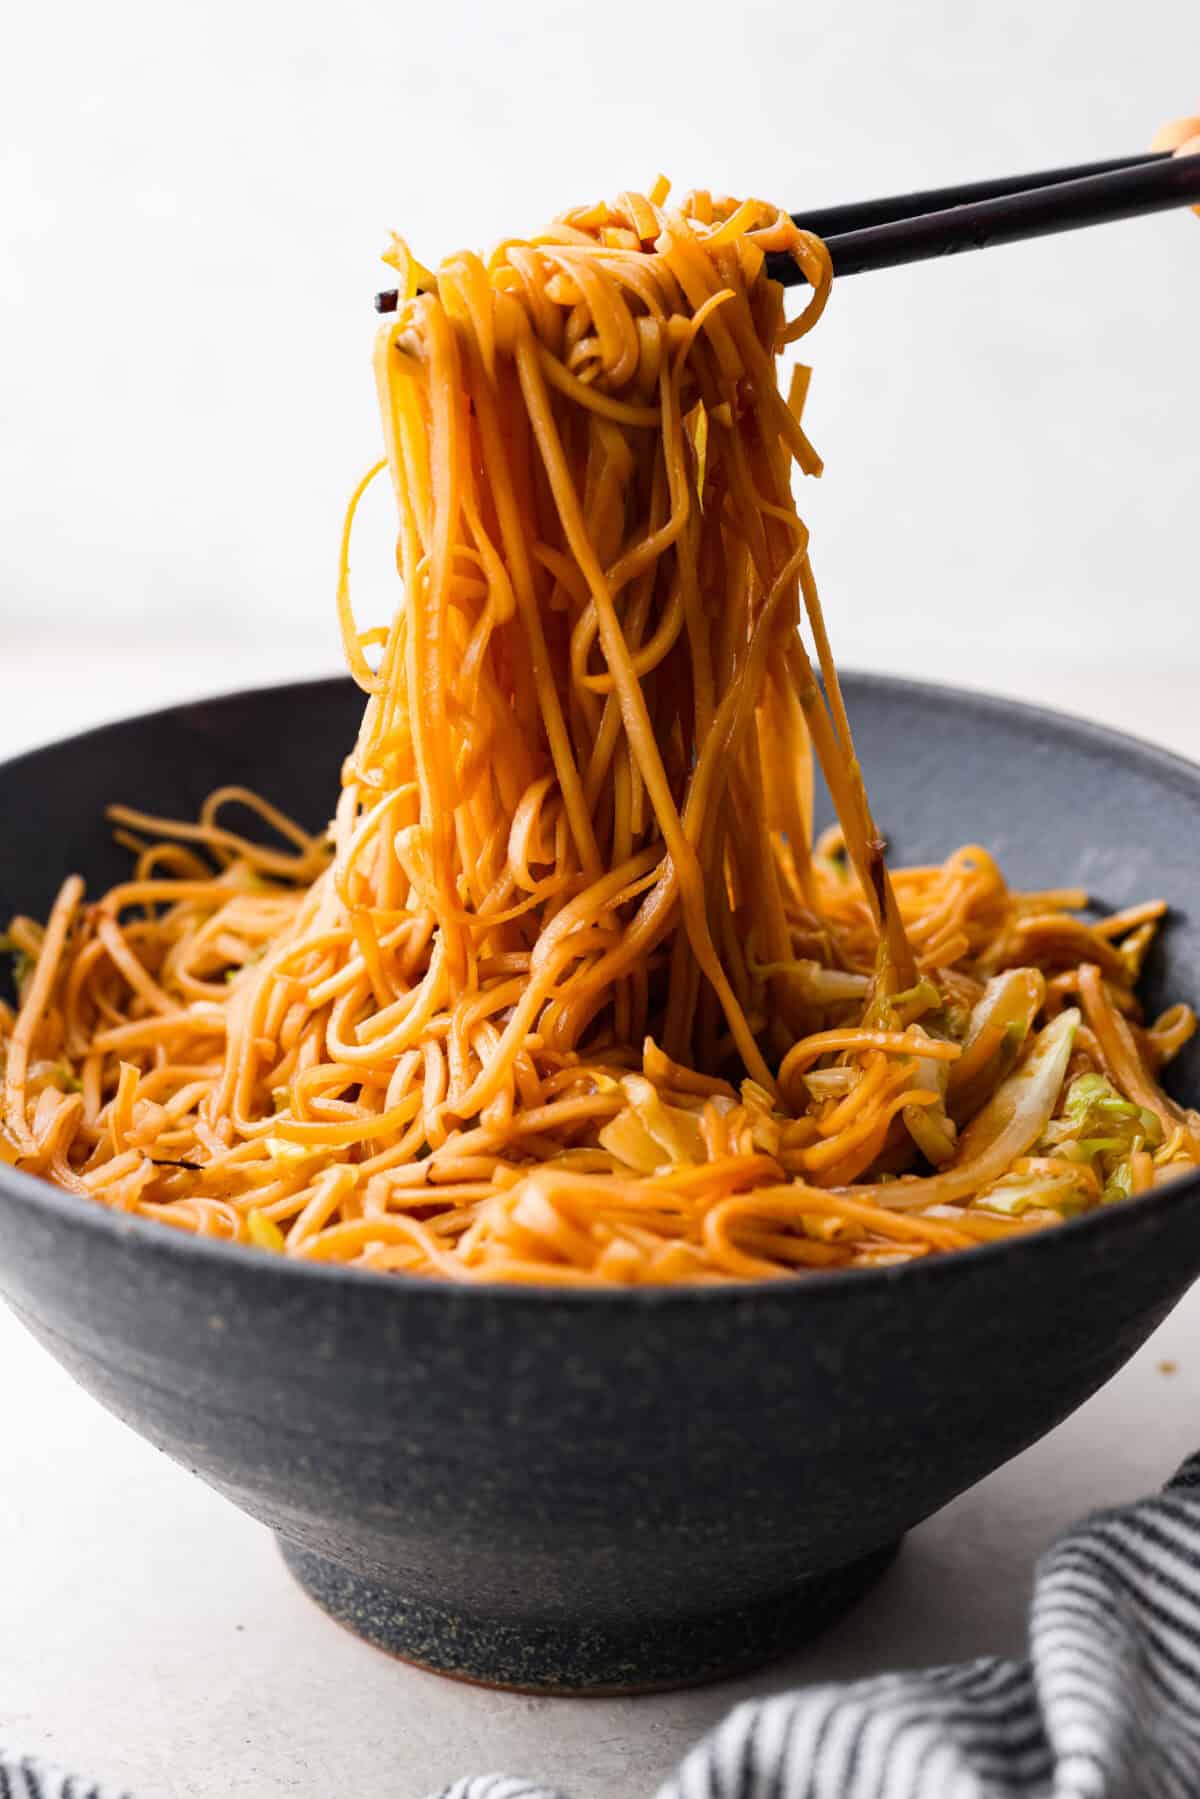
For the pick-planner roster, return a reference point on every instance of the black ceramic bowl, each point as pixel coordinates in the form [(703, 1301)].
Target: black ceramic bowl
[(586, 1492)]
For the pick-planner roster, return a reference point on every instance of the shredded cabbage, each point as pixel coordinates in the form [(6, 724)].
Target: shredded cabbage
[(1100, 1128), (263, 1231), (999, 1026), (1014, 1195), (1093, 1103), (279, 1149), (1008, 1126), (650, 1133), (931, 1127)]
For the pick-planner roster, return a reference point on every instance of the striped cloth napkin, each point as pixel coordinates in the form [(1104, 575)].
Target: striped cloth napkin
[(27, 1777), (1106, 1707)]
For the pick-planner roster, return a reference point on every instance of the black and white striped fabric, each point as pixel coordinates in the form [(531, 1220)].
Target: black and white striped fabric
[(1106, 1707), (27, 1777)]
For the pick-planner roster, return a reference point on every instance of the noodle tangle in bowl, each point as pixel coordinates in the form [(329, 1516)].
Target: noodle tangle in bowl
[(568, 993)]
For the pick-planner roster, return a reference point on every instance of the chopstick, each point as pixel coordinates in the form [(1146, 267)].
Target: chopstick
[(835, 221), (1151, 186), (886, 233)]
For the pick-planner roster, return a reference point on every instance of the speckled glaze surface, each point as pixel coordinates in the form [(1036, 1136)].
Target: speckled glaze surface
[(571, 1491)]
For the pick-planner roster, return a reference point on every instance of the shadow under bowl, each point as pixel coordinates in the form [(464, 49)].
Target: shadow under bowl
[(577, 1491)]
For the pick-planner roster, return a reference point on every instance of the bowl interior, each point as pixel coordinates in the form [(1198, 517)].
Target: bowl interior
[(1058, 802)]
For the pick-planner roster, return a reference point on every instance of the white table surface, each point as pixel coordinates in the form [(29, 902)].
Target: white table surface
[(150, 1633)]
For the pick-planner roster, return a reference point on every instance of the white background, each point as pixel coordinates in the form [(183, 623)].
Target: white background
[(191, 202)]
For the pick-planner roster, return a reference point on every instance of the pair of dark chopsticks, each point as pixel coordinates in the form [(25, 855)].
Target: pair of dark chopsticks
[(882, 234)]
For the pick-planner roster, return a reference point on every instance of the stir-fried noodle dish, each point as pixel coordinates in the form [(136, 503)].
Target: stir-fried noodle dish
[(568, 992)]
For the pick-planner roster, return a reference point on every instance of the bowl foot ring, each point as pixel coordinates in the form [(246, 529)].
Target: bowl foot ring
[(565, 1657)]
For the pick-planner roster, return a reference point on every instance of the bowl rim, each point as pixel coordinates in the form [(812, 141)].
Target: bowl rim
[(118, 1229)]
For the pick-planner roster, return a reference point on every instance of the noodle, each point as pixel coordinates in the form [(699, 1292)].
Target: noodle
[(567, 993)]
